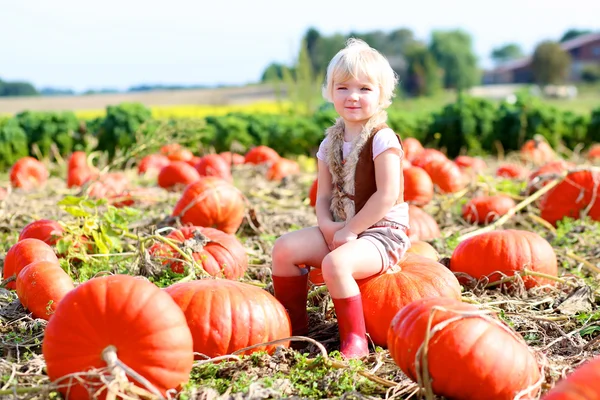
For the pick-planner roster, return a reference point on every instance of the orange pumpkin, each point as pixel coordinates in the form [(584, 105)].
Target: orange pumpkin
[(28, 173), (422, 225), (581, 384), (511, 171), (218, 253), (312, 193), (508, 252), (176, 175), (211, 202), (540, 177), (467, 356), (537, 151), (23, 253), (578, 191), (282, 168), (232, 158), (446, 175), (423, 249), (593, 154), (78, 169), (418, 186), (175, 152), (474, 164), (214, 165), (412, 148), (122, 312), (261, 155), (486, 209), (46, 230), (414, 277), (41, 286), (427, 156), (152, 164), (225, 316)]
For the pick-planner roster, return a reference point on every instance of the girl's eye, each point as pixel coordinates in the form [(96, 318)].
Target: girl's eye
[(341, 88), (366, 88)]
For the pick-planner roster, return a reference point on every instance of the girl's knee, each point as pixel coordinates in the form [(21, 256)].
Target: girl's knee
[(284, 248), (332, 267)]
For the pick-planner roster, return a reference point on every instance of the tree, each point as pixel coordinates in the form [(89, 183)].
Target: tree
[(573, 33), (17, 89), (275, 71), (550, 63), (311, 37), (453, 52), (423, 75), (507, 52)]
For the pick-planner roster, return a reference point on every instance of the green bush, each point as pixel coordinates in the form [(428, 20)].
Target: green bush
[(45, 128), (593, 130), (13, 142), (123, 126)]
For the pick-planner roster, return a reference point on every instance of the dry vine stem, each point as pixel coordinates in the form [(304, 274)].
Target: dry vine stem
[(502, 220), (422, 360)]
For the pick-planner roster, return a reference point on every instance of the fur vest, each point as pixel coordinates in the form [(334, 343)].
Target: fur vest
[(353, 179)]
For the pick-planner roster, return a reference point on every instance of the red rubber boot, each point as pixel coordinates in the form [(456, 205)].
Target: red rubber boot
[(351, 324), (292, 292)]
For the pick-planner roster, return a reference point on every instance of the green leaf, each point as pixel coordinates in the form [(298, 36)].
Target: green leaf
[(77, 211), (70, 201), (100, 243)]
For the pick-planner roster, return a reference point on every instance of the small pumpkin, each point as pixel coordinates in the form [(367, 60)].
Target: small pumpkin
[(418, 186), (214, 165), (508, 252), (282, 168), (41, 286), (152, 164), (414, 277), (225, 316), (219, 254), (537, 151), (486, 209), (446, 175), (176, 175), (261, 155), (473, 164), (581, 384), (412, 148), (511, 171), (28, 173), (121, 314), (211, 202), (46, 230), (427, 156), (541, 176), (468, 355), (312, 192), (422, 225), (424, 249), (23, 253), (232, 158), (593, 154)]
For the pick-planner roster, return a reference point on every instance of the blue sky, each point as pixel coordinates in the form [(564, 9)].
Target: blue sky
[(109, 43)]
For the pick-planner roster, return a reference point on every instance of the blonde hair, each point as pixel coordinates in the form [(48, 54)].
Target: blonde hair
[(359, 58)]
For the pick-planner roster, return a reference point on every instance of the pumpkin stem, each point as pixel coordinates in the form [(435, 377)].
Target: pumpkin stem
[(120, 370)]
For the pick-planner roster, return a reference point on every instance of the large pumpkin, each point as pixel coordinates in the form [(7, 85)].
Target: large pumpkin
[(41, 286), (129, 314), (578, 192), (446, 175), (468, 356), (507, 251), (412, 148), (28, 173), (211, 202), (219, 253), (418, 186), (23, 253), (177, 174), (225, 316), (414, 277), (423, 249), (581, 384), (422, 225), (541, 176)]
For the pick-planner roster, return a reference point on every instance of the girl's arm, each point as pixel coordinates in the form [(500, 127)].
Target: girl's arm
[(387, 177)]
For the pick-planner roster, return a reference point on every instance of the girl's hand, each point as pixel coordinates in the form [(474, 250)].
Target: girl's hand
[(328, 229), (342, 236)]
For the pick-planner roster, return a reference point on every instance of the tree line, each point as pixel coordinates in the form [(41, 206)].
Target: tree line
[(446, 61)]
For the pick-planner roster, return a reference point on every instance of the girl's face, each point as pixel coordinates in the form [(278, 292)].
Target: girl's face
[(356, 100)]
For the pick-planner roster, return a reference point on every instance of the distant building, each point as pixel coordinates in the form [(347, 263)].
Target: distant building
[(584, 51)]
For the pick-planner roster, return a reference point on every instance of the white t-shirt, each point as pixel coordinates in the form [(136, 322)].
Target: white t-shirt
[(383, 140)]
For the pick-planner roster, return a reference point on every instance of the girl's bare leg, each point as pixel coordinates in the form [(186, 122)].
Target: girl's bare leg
[(302, 247), (356, 259)]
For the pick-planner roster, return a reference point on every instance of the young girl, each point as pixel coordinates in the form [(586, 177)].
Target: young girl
[(361, 213)]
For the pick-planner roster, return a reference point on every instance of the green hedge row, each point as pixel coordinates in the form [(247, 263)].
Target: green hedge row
[(471, 125)]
